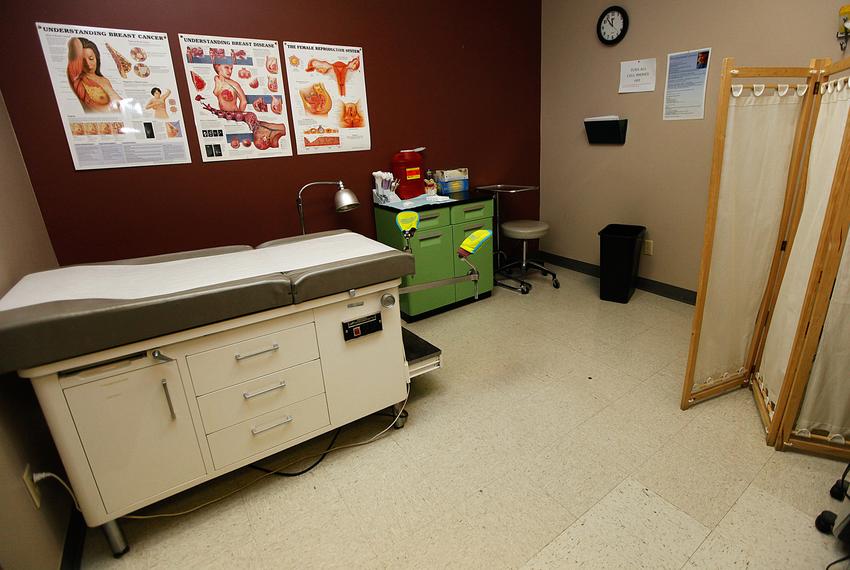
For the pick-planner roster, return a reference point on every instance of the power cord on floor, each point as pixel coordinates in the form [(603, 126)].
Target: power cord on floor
[(834, 562), (264, 475), (306, 469), (37, 477)]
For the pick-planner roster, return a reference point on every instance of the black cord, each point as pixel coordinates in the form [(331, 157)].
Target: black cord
[(831, 564), (306, 469)]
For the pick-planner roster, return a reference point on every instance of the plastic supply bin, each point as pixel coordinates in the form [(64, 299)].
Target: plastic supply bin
[(619, 257)]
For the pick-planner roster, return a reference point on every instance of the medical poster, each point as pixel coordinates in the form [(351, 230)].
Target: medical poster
[(684, 92), (327, 87), (117, 96), (637, 76), (237, 97)]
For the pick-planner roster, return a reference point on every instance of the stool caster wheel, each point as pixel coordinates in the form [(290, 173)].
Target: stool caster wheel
[(525, 288), (556, 284), (826, 522), (402, 419)]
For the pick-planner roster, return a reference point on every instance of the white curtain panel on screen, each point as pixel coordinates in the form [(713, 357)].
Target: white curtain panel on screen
[(759, 139), (826, 405), (826, 145)]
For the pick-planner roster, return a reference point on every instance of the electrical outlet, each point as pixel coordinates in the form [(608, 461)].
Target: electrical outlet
[(35, 494), (648, 246)]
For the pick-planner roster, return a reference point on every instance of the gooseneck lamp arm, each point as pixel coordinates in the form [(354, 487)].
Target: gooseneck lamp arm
[(344, 199)]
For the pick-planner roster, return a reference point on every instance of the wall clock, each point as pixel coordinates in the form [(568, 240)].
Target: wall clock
[(612, 25)]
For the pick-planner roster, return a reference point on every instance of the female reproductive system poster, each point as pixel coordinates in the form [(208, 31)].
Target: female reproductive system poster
[(237, 97), (117, 95), (327, 87)]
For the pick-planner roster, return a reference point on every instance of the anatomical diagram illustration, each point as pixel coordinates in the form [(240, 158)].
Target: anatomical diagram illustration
[(340, 69), (94, 91), (229, 93), (266, 135), (351, 116), (316, 99)]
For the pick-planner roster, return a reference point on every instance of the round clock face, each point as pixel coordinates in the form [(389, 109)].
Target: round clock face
[(612, 26)]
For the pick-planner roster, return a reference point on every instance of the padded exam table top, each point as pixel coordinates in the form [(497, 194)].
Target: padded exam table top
[(71, 311)]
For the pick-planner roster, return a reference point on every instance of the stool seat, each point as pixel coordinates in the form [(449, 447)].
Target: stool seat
[(525, 229)]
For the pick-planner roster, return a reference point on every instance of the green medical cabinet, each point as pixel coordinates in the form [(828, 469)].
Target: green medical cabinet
[(441, 230)]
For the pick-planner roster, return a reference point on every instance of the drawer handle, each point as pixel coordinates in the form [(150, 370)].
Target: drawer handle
[(434, 236), (425, 218), (473, 209), (249, 395), (473, 228), (168, 398), (272, 348), (259, 430)]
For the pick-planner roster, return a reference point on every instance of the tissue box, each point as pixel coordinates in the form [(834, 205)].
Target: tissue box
[(451, 175), (448, 181)]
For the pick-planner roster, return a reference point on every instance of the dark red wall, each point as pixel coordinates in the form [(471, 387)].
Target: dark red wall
[(461, 77)]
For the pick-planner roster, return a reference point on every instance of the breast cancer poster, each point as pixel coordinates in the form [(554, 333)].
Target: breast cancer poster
[(117, 95), (327, 87), (238, 102)]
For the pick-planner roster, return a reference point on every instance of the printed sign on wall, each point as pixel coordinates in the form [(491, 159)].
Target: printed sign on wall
[(327, 87), (238, 102), (117, 95)]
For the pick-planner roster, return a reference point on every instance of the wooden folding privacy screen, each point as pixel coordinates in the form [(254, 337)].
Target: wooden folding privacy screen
[(773, 233)]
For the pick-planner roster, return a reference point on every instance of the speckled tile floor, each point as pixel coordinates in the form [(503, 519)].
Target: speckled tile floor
[(552, 438)]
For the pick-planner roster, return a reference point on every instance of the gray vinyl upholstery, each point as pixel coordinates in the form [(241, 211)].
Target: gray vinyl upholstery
[(39, 334)]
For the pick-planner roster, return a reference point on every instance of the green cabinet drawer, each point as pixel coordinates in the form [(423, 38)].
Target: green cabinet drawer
[(482, 259), (463, 213), (433, 252), (436, 218)]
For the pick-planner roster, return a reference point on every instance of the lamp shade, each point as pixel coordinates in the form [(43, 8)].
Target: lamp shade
[(345, 200)]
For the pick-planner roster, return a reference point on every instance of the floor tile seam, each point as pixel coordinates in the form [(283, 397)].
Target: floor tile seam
[(672, 505), (668, 441)]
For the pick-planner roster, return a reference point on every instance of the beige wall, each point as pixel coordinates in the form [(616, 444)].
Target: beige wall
[(29, 538), (659, 179)]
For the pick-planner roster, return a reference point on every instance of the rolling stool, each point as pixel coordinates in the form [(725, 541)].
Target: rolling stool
[(525, 230)]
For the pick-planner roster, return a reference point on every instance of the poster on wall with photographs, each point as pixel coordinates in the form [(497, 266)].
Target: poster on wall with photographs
[(117, 96), (237, 97), (327, 87)]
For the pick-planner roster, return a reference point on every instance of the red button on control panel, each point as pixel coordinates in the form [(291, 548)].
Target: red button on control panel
[(356, 331)]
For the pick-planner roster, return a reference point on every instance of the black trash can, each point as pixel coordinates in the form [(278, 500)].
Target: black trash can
[(619, 257)]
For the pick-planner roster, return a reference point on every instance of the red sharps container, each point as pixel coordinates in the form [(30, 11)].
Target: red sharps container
[(407, 167)]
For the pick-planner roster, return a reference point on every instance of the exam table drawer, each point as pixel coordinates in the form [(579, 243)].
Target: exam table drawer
[(222, 367), (244, 401), (268, 430)]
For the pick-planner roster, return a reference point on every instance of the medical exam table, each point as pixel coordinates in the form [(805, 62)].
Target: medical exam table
[(160, 373)]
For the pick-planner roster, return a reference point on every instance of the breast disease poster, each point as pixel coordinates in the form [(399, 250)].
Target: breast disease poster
[(117, 95), (327, 87), (237, 97)]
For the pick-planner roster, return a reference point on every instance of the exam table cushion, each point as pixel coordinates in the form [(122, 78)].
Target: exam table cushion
[(44, 332), (47, 332), (329, 278)]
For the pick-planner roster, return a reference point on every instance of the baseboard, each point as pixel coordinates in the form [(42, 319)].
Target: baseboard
[(72, 554), (656, 287)]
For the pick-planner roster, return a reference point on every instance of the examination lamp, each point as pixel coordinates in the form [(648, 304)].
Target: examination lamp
[(344, 199)]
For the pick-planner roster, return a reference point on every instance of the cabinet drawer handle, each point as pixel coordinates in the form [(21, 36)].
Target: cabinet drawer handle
[(426, 217), (433, 236), (261, 429), (272, 348), (168, 398), (249, 395), (473, 209), (473, 228)]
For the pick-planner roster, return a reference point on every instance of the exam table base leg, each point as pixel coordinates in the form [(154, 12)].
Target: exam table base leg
[(399, 423), (115, 538)]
